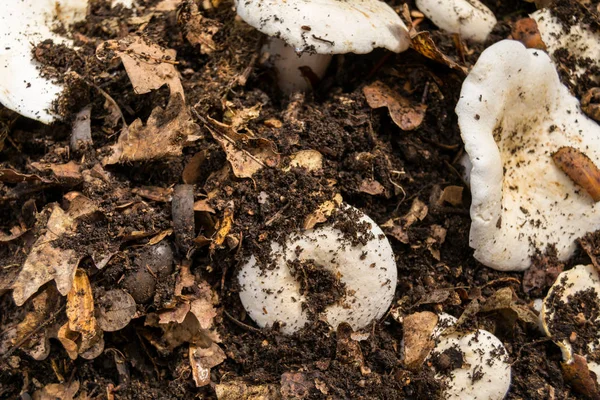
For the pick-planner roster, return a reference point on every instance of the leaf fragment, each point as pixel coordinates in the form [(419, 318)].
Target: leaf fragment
[(322, 213), (418, 340), (115, 309), (406, 116), (80, 311)]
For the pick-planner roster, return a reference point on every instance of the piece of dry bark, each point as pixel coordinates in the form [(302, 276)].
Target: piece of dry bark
[(182, 210)]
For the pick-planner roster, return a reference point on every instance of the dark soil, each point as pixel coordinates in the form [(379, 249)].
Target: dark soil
[(135, 203)]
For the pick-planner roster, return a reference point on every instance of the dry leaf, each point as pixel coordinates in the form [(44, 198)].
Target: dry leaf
[(502, 300), (223, 227), (154, 193), (580, 169), (295, 385), (577, 373), (238, 119), (80, 311), (404, 114), (163, 136), (311, 160), (177, 314), (202, 360), (198, 30), (590, 103), (238, 390), (115, 309), (202, 205), (424, 44), (15, 233), (322, 213), (371, 186), (452, 195), (398, 228), (192, 171), (526, 31), (68, 339), (436, 238), (148, 65), (418, 340), (46, 262), (8, 175), (246, 155), (57, 391)]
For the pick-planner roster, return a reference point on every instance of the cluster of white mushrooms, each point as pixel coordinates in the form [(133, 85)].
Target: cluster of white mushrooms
[(514, 113)]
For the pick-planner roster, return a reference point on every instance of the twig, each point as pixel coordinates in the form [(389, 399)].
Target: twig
[(241, 324)]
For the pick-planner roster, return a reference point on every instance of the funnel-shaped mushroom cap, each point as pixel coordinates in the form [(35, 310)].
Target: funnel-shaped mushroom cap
[(366, 267), (328, 26), (472, 19), (514, 114)]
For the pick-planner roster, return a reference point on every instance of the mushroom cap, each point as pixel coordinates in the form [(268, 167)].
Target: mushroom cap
[(513, 114), (328, 26), (470, 18), (485, 371), (569, 283), (270, 293), (24, 24)]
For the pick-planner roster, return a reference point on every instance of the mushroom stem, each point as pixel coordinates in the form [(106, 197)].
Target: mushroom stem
[(287, 63)]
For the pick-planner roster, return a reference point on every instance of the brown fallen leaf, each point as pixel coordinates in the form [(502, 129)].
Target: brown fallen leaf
[(526, 31), (543, 271), (192, 170), (296, 385), (202, 205), (154, 193), (57, 391), (322, 213), (372, 187), (115, 309), (417, 338), (580, 169), (15, 233), (437, 236), (182, 213), (238, 118), (8, 175), (405, 115), (198, 30), (148, 65), (239, 390), (502, 300), (311, 160), (163, 136), (451, 195), (46, 262), (590, 103), (424, 44), (398, 227), (80, 311), (246, 155), (68, 339), (202, 360), (577, 373)]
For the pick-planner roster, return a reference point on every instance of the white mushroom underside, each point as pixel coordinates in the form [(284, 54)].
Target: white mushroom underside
[(271, 293), (328, 26), (472, 19), (24, 24), (485, 373), (514, 114)]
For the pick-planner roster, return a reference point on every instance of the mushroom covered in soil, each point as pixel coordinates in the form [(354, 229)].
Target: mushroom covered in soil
[(342, 271), (571, 313), (471, 365), (24, 24), (306, 33), (469, 18), (514, 115)]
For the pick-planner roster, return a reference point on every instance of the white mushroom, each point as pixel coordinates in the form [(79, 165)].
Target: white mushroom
[(582, 42), (571, 308), (24, 24), (513, 115), (364, 263), (471, 365), (322, 27), (470, 18)]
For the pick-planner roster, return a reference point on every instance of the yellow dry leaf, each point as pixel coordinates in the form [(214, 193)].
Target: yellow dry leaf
[(224, 226), (322, 213), (424, 44), (80, 310), (202, 360)]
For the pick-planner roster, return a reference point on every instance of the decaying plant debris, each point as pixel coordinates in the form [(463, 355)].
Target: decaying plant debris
[(175, 158)]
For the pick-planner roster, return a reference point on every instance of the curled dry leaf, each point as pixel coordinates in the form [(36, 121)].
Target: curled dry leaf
[(526, 31), (580, 169), (46, 262), (115, 309), (418, 339), (202, 360), (590, 103), (398, 228), (163, 136), (322, 213), (148, 65), (246, 155), (311, 160), (502, 300), (372, 187), (8, 175), (404, 114), (60, 391), (223, 227), (436, 238), (80, 311), (424, 44)]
